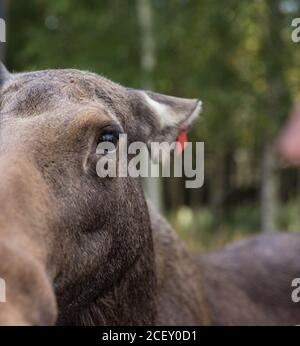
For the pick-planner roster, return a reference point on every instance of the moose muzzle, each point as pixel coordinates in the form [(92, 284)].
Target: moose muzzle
[(26, 218)]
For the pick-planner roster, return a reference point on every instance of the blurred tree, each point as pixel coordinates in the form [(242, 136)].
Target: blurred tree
[(153, 186), (276, 103)]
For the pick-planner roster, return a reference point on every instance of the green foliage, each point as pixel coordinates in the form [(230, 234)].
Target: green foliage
[(94, 35), (208, 49)]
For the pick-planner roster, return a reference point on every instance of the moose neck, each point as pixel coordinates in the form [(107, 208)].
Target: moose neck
[(130, 300)]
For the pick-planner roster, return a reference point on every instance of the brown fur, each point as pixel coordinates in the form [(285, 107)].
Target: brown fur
[(82, 250)]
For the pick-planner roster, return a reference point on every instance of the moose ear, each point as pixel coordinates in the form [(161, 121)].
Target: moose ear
[(163, 118), (4, 74)]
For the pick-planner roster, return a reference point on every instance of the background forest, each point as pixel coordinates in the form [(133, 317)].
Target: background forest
[(235, 55)]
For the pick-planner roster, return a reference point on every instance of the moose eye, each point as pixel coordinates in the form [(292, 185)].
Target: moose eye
[(108, 140), (111, 137)]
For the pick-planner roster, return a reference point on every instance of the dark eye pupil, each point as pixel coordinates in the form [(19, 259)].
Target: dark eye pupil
[(111, 137), (108, 140), (108, 137)]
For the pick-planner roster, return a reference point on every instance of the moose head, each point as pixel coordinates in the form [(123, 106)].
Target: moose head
[(76, 248)]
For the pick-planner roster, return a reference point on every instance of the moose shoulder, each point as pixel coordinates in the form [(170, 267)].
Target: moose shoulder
[(78, 249)]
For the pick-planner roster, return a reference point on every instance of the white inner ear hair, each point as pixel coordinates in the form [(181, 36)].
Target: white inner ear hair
[(167, 116), (194, 114)]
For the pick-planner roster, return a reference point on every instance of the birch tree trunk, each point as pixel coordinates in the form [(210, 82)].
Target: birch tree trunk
[(153, 186), (269, 189)]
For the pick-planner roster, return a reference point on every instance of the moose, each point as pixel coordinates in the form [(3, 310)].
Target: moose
[(77, 249)]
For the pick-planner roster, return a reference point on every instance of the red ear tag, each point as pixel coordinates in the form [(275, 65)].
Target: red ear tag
[(181, 142)]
